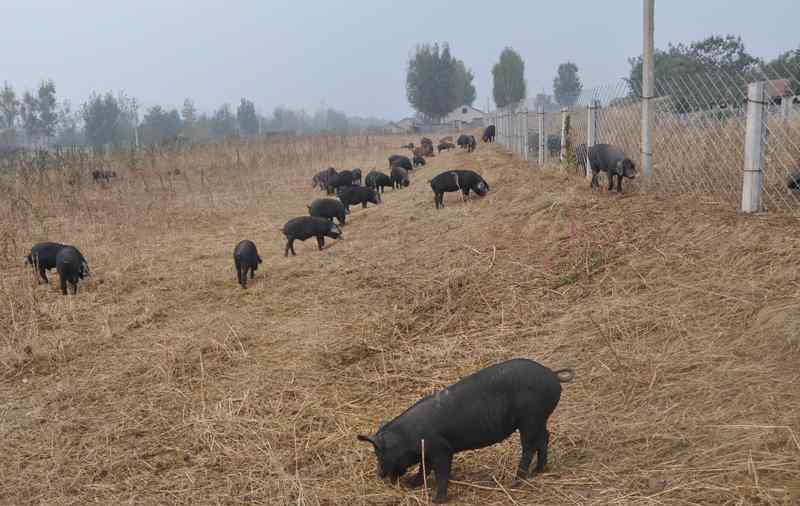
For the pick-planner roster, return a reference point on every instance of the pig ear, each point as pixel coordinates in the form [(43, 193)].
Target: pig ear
[(367, 439)]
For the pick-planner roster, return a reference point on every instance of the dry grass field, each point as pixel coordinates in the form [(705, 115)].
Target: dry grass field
[(164, 382)]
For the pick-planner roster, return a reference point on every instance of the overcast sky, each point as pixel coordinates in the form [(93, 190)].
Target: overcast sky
[(350, 55)]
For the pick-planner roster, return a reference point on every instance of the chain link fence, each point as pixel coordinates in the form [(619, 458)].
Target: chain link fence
[(699, 133)]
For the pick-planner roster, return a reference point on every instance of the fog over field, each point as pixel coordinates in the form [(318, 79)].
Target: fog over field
[(350, 55)]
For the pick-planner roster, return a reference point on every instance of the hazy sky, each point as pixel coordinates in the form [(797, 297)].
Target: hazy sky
[(351, 55)]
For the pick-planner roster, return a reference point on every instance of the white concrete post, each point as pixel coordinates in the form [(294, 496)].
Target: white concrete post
[(564, 114), (515, 129), (525, 149), (754, 148), (591, 133), (542, 135), (647, 93)]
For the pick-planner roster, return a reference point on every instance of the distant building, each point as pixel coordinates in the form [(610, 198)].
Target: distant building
[(777, 89), (466, 115)]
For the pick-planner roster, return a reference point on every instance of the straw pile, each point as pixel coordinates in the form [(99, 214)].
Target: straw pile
[(163, 382)]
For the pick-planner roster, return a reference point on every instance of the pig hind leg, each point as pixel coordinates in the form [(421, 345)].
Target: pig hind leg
[(595, 183), (541, 449), (534, 439), (320, 242)]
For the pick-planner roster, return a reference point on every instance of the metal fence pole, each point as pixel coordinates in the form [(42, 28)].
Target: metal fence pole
[(754, 148), (591, 133), (563, 155), (647, 94), (542, 136)]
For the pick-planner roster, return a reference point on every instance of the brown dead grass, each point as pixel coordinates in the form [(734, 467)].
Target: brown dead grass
[(163, 382)]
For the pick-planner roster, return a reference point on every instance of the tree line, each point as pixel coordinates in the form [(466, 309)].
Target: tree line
[(114, 119), (437, 83)]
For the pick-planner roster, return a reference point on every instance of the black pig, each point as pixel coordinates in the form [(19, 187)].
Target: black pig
[(322, 177), (455, 180), (71, 267), (309, 226), (399, 177), (353, 195), (246, 259), (43, 257), (400, 161), (489, 134), (339, 180), (377, 181), (611, 160), (418, 160), (328, 209), (480, 410)]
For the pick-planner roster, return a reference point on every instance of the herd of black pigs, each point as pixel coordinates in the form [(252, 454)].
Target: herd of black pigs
[(479, 410)]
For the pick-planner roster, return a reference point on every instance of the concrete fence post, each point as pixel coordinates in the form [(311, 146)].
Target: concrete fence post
[(563, 155), (515, 129), (648, 93), (502, 128), (525, 149), (591, 133), (754, 148), (542, 135)]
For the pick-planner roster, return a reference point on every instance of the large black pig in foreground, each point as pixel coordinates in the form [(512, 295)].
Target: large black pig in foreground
[(480, 410), (611, 160), (455, 180), (309, 226), (245, 259), (71, 267), (43, 257)]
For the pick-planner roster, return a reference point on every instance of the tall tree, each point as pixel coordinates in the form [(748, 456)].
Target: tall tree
[(509, 79), (436, 82), (68, 130), (247, 117), (189, 117), (567, 85), (336, 120), (9, 107), (29, 114), (47, 108), (462, 84), (102, 116), (223, 122), (159, 125)]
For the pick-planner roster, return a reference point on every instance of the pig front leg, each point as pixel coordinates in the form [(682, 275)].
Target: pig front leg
[(419, 480), (442, 468)]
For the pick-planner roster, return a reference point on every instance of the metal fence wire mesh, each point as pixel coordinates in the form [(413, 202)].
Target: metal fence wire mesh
[(698, 134)]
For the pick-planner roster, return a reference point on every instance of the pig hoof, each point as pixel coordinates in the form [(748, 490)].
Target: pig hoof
[(439, 500)]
